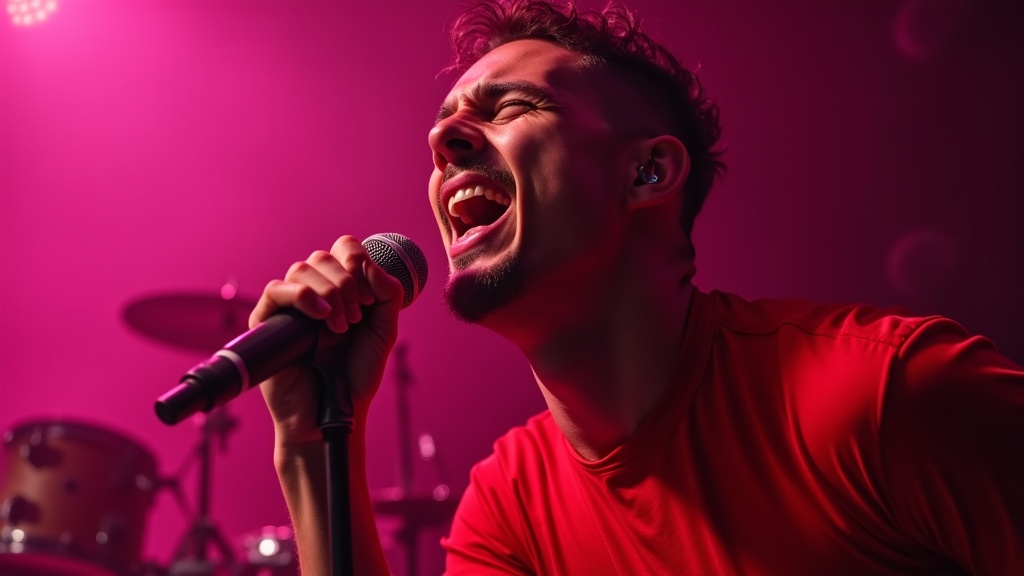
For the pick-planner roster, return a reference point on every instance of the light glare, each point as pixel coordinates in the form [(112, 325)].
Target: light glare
[(28, 12), (269, 547)]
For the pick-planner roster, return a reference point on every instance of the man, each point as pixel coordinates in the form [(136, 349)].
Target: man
[(685, 432)]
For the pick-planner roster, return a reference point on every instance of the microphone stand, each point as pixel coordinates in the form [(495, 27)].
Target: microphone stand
[(336, 422)]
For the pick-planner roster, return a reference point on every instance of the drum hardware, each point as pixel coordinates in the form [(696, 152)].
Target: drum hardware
[(17, 510), (417, 509), (203, 322), (192, 556), (36, 451)]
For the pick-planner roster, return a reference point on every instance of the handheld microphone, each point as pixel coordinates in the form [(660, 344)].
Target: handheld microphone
[(285, 339)]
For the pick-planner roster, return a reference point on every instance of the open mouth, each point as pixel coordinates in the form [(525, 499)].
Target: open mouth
[(475, 208)]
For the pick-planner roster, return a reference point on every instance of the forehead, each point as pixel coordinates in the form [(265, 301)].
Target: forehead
[(537, 61)]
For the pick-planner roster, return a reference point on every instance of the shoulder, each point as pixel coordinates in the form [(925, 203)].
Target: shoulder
[(951, 436), (522, 451), (911, 419), (897, 363), (952, 390), (887, 326)]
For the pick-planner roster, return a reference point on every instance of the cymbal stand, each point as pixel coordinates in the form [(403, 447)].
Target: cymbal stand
[(191, 557), (404, 381), (408, 535)]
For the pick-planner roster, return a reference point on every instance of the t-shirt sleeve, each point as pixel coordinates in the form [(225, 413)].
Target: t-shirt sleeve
[(481, 541), (952, 448)]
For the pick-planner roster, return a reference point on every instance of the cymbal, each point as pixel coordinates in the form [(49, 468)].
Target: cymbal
[(421, 507), (193, 321)]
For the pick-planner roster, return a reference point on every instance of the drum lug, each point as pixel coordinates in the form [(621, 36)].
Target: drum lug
[(19, 510), (37, 452)]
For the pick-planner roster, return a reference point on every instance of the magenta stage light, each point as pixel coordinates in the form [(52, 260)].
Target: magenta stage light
[(30, 12)]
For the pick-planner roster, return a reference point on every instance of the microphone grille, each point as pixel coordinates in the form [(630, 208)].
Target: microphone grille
[(402, 258)]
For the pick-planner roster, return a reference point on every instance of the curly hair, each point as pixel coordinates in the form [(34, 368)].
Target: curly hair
[(611, 37)]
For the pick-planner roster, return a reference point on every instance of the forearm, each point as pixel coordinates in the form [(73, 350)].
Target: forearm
[(302, 472)]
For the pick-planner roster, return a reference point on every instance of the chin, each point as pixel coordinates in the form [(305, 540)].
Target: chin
[(472, 295)]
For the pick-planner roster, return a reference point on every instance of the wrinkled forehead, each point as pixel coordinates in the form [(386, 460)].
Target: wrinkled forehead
[(537, 61)]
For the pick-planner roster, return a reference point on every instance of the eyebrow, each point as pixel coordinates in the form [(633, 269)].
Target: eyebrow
[(492, 91)]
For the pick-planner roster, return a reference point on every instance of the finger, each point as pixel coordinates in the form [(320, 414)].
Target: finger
[(338, 287), (280, 294), (387, 290), (353, 257)]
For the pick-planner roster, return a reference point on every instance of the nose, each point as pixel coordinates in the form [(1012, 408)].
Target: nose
[(453, 139)]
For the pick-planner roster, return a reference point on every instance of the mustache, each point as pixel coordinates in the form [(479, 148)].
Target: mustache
[(501, 176)]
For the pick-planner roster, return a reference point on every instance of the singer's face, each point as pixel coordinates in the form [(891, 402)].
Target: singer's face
[(527, 181)]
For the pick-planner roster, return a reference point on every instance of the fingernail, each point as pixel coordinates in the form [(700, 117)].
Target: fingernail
[(338, 325)]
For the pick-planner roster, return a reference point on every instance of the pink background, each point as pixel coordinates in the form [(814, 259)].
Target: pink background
[(161, 146)]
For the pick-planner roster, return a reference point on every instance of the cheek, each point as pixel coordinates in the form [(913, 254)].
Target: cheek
[(573, 176), (433, 187), (575, 213)]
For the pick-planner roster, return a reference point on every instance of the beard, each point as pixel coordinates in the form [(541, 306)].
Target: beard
[(472, 296)]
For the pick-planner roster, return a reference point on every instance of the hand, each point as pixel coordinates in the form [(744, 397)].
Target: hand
[(355, 298)]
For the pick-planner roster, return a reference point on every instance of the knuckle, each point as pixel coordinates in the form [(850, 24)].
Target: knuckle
[(346, 286), (319, 256), (353, 261), (346, 246), (333, 294), (346, 243), (347, 239), (297, 268)]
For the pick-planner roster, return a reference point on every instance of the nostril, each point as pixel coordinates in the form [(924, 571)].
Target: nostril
[(459, 144)]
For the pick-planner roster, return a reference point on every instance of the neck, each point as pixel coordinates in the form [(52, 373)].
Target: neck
[(602, 371)]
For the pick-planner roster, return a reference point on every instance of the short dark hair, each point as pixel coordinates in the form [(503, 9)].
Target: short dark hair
[(612, 36)]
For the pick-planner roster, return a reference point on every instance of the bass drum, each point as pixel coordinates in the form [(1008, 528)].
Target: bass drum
[(74, 501)]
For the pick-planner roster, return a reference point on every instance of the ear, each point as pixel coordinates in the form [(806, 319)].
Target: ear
[(665, 157)]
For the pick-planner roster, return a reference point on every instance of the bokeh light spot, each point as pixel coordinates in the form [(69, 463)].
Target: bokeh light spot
[(29, 12)]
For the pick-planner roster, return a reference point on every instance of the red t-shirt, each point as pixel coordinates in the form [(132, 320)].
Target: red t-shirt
[(799, 439)]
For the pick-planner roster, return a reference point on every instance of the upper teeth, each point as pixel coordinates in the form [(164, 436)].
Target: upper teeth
[(467, 193)]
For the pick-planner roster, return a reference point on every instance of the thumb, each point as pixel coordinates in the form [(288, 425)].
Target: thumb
[(387, 290)]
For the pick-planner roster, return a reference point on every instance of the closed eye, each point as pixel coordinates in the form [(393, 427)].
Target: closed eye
[(511, 109)]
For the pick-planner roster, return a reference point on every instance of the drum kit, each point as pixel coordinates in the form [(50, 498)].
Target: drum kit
[(75, 495)]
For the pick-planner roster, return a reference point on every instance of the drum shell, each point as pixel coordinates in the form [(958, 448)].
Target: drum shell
[(76, 490)]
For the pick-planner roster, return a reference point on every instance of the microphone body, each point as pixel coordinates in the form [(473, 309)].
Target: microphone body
[(287, 338)]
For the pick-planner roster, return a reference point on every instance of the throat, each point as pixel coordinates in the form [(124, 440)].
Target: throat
[(594, 430), (603, 380)]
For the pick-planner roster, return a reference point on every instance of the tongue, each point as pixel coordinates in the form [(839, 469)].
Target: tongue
[(479, 211)]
